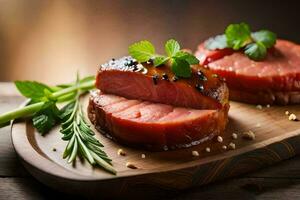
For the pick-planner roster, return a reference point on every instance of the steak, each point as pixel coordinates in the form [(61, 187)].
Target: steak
[(125, 77), (153, 125), (275, 80)]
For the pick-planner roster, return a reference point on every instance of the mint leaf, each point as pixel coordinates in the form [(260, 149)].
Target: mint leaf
[(256, 51), (172, 47), (66, 110), (32, 89), (142, 51), (191, 59), (238, 35), (159, 60), (46, 118), (217, 42), (43, 122), (266, 37), (181, 68)]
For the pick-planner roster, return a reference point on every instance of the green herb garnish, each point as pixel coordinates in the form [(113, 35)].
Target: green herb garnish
[(267, 38), (256, 51), (239, 37), (34, 90), (179, 60), (46, 118), (45, 114), (217, 42), (81, 137)]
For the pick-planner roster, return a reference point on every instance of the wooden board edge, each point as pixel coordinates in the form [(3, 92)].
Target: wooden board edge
[(64, 173), (178, 179)]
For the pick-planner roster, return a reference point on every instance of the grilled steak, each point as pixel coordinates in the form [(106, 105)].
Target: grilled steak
[(276, 79), (153, 125), (126, 78)]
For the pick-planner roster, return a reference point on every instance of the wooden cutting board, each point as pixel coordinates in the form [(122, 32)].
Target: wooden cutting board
[(277, 139)]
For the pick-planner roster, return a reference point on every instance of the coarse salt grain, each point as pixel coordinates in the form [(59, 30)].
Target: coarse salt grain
[(121, 152), (219, 139), (287, 112), (224, 147), (207, 149), (292, 117), (234, 136), (195, 153), (143, 156), (231, 146), (259, 107), (268, 106)]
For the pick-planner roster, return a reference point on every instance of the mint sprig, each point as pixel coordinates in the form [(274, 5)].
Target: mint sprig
[(179, 60), (239, 37)]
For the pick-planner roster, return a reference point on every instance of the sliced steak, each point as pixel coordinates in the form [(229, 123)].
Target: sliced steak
[(126, 78), (276, 79), (153, 125)]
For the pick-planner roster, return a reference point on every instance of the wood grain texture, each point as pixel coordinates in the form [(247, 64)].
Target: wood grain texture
[(26, 188), (248, 188), (9, 166), (276, 139)]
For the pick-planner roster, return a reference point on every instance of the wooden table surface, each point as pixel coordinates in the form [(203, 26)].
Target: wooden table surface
[(281, 181)]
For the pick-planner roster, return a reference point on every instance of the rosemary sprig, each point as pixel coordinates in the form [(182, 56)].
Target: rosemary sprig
[(80, 137)]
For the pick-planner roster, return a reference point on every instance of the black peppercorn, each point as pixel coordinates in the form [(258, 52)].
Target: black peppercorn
[(131, 63), (199, 87), (155, 79), (165, 77), (135, 67), (201, 75)]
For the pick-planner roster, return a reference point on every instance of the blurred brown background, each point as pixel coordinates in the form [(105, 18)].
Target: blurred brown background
[(50, 40)]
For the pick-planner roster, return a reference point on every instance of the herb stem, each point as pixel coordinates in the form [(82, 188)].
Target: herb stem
[(33, 108), (86, 85), (20, 112)]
